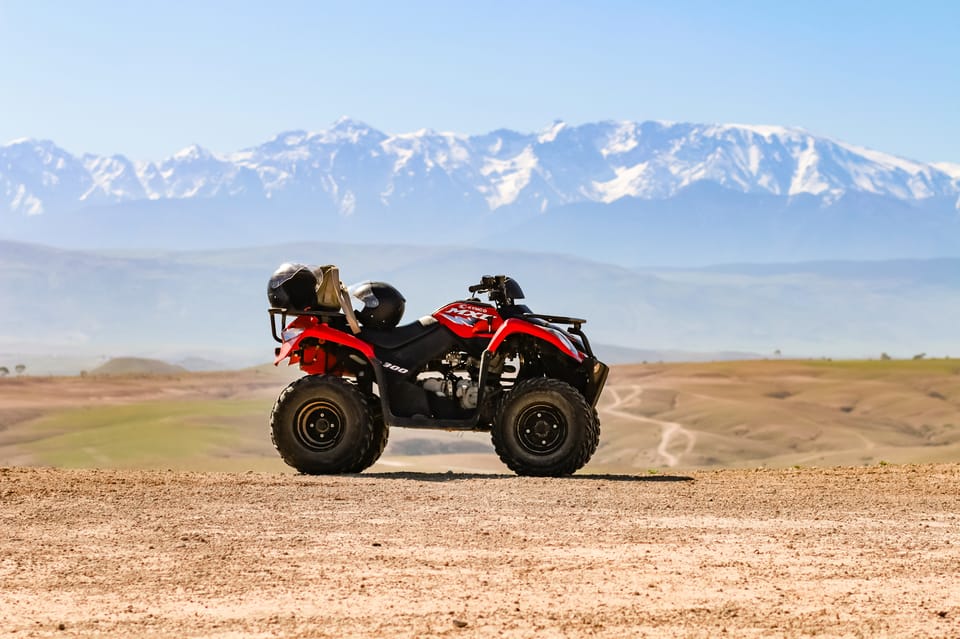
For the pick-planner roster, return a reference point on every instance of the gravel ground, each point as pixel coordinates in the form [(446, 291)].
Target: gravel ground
[(767, 553)]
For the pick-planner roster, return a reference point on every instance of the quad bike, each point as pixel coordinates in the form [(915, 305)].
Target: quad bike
[(531, 380)]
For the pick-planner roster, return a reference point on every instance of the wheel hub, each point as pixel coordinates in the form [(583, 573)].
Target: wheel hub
[(319, 425), (541, 429)]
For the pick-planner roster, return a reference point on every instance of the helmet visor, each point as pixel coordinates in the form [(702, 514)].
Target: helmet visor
[(364, 292), (286, 272)]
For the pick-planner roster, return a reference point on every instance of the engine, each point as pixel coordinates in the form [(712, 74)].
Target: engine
[(463, 390), (459, 382)]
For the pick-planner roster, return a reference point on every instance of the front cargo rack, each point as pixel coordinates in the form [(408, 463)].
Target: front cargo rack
[(574, 322)]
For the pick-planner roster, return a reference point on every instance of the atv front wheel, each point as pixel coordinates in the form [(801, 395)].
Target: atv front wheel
[(320, 425), (545, 428)]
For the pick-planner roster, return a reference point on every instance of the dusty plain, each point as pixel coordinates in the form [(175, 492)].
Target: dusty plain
[(742, 499), (853, 552)]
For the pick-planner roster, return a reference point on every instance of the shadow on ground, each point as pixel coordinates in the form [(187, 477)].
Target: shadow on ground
[(451, 476)]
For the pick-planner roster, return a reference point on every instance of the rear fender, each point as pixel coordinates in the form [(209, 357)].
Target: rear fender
[(552, 336), (322, 333)]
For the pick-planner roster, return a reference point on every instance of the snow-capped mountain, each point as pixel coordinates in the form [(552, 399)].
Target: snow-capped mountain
[(648, 193), (353, 168)]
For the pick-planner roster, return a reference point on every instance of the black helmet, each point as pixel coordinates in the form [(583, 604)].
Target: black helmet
[(294, 287), (382, 304)]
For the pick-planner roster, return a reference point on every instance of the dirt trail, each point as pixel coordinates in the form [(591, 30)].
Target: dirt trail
[(857, 552), (669, 431)]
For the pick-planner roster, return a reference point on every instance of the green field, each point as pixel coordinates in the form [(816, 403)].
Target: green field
[(215, 435)]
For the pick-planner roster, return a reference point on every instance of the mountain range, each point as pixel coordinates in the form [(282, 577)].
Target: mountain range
[(826, 248), (633, 193)]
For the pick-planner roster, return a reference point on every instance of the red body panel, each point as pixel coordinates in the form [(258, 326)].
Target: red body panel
[(466, 320), (322, 332), (516, 326), (469, 319)]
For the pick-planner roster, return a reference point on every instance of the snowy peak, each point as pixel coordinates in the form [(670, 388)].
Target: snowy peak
[(950, 168), (550, 133), (763, 159), (353, 131), (114, 178), (346, 124), (192, 153), (37, 176), (286, 139), (353, 167)]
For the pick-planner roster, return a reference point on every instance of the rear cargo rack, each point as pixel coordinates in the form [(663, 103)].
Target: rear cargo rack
[(283, 313)]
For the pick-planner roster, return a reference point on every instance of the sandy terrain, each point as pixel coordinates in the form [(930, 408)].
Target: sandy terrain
[(780, 414), (860, 552)]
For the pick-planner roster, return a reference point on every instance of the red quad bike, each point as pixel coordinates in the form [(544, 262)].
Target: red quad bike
[(530, 380)]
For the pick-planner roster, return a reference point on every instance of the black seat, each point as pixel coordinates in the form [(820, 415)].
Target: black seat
[(396, 337)]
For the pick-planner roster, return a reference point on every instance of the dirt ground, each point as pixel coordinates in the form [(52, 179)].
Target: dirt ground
[(857, 552)]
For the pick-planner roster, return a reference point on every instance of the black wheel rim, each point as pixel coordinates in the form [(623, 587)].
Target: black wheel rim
[(319, 425), (541, 429)]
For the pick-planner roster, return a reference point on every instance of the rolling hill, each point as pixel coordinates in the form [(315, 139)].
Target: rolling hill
[(136, 366), (657, 417)]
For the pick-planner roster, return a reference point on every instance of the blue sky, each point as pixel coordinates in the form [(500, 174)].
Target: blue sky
[(146, 79)]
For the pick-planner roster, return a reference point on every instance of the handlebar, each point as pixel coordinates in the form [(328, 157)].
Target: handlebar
[(488, 283)]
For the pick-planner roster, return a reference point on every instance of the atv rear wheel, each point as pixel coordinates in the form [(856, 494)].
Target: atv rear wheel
[(381, 434), (320, 425), (546, 428)]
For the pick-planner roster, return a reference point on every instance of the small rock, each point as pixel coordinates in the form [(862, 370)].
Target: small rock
[(377, 544), (460, 623), (62, 627)]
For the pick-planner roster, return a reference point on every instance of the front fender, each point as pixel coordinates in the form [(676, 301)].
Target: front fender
[(552, 336)]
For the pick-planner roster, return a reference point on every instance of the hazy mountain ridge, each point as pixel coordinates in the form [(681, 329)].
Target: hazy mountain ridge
[(173, 305), (354, 168)]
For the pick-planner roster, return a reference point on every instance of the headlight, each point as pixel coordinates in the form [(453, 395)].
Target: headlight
[(291, 333)]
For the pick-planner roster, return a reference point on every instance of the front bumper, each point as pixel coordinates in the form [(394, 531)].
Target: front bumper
[(597, 373)]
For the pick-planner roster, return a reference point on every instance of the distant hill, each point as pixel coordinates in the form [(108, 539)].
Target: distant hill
[(622, 355), (212, 304), (198, 364), (137, 366)]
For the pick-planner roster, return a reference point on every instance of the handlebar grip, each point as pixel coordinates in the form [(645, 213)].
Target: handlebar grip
[(487, 282)]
